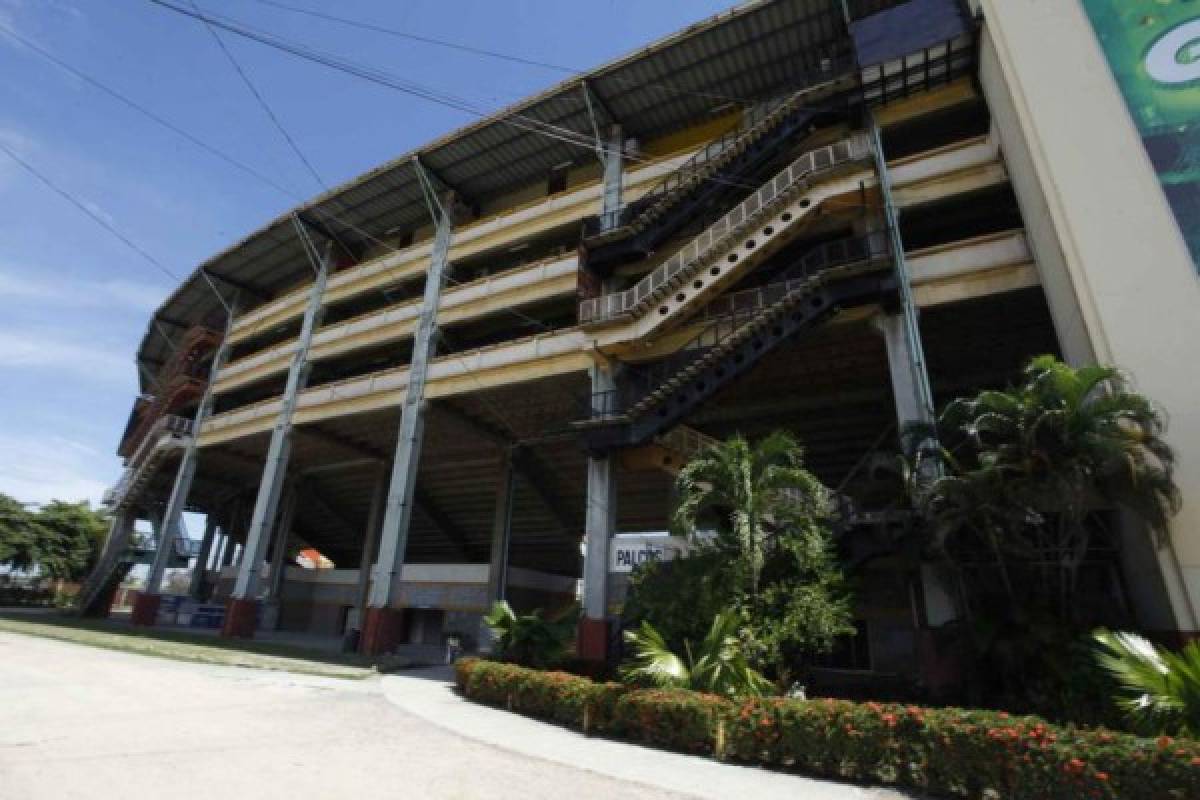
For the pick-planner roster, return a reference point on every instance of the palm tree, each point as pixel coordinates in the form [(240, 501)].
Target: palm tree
[(1064, 443), (530, 639), (749, 492), (1161, 689), (718, 664)]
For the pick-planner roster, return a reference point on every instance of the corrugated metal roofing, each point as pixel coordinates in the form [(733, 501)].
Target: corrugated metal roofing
[(748, 53)]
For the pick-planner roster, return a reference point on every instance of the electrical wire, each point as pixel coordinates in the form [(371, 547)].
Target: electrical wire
[(79, 204), (141, 109), (480, 51), (213, 151), (262, 102), (382, 78)]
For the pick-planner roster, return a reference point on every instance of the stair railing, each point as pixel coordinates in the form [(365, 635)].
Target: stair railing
[(758, 120), (714, 239), (729, 314)]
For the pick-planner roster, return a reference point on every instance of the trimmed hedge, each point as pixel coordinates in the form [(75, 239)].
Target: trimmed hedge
[(946, 751)]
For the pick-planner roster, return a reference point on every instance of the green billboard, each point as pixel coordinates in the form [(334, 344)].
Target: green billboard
[(1153, 49)]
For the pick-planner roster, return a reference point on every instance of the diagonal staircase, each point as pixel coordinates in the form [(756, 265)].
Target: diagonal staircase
[(743, 328), (715, 171), (741, 239), (169, 433)]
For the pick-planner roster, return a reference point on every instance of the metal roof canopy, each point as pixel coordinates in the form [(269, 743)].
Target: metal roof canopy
[(744, 54)]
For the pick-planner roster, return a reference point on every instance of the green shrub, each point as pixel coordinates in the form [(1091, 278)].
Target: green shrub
[(555, 696), (678, 719), (462, 672), (948, 752)]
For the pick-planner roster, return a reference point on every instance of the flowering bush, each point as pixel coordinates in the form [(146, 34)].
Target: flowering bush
[(948, 752), (679, 719)]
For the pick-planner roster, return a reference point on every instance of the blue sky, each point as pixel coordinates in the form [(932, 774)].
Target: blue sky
[(74, 301)]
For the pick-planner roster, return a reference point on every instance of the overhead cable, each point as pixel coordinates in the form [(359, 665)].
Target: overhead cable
[(79, 204)]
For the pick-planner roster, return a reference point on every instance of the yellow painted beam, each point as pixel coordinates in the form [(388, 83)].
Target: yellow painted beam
[(948, 96)]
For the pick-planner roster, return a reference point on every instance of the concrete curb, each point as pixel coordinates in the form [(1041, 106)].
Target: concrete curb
[(429, 694)]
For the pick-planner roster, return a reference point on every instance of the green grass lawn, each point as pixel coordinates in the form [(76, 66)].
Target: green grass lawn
[(183, 646)]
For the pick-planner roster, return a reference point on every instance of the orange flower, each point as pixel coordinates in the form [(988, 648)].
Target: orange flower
[(1163, 742), (1101, 776)]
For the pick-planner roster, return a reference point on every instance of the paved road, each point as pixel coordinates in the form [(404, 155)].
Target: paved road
[(81, 722)]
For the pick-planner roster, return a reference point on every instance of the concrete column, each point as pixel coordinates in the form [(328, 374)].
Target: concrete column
[(370, 546), (382, 627), (146, 602), (196, 589), (501, 530), (909, 406), (279, 547), (228, 548), (240, 616), (601, 520), (906, 353), (613, 169), (187, 465)]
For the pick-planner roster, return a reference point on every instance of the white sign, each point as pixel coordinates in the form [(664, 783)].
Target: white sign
[(627, 554)]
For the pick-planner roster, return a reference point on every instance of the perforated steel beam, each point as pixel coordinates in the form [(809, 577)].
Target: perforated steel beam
[(393, 540), (270, 486)]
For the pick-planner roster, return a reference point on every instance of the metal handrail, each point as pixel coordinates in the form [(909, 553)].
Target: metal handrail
[(729, 315), (681, 265), (759, 119), (177, 427)]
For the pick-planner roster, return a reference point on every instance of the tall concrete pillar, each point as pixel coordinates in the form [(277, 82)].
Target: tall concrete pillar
[(601, 517), (279, 545), (242, 608), (600, 524), (196, 588), (501, 530), (902, 331), (613, 168), (370, 547), (909, 405), (383, 624), (501, 541), (228, 548)]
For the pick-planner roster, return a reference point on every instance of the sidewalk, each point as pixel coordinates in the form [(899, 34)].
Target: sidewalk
[(429, 694)]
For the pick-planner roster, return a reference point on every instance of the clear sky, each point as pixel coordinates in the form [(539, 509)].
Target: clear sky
[(74, 301)]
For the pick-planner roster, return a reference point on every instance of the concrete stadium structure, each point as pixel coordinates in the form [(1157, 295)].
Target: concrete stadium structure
[(461, 374)]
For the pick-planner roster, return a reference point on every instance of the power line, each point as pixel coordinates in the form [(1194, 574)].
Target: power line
[(79, 204), (262, 101), (480, 51), (382, 78), (141, 109)]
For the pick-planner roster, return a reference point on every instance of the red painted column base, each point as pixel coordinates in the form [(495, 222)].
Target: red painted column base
[(241, 618), (591, 639), (383, 629), (101, 607), (145, 608)]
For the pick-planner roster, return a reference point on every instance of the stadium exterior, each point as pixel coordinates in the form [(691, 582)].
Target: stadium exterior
[(819, 215)]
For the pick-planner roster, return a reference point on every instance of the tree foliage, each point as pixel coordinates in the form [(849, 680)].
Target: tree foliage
[(17, 549), (530, 639), (759, 523), (1027, 468), (60, 540), (716, 664), (1160, 690)]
